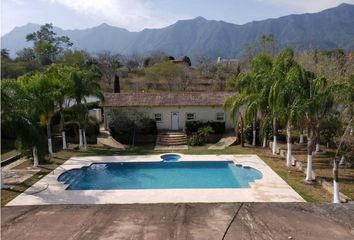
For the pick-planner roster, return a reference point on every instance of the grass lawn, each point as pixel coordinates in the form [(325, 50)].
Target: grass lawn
[(322, 167), (294, 177)]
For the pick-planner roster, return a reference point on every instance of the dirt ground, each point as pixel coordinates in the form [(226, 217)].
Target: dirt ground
[(180, 221)]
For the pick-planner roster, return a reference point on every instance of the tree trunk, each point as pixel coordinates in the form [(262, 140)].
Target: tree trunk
[(62, 127), (288, 155), (241, 130), (80, 137), (49, 135), (274, 147), (2, 179), (254, 129), (317, 139), (64, 140), (317, 147), (264, 142), (35, 157), (84, 135), (310, 141), (237, 130), (301, 137), (336, 198)]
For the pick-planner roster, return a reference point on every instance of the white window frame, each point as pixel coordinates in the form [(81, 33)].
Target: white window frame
[(194, 116), (218, 114), (161, 119)]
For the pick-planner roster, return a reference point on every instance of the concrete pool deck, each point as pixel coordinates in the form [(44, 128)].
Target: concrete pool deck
[(271, 188), (183, 221)]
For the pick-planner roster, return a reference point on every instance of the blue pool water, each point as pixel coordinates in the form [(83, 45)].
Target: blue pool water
[(170, 157), (159, 175)]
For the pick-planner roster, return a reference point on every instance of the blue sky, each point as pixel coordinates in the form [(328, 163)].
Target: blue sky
[(136, 15)]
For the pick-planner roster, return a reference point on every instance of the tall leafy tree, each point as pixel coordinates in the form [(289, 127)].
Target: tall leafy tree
[(187, 60), (41, 89), (20, 120), (47, 45), (253, 90), (84, 84), (319, 101), (287, 94), (5, 54)]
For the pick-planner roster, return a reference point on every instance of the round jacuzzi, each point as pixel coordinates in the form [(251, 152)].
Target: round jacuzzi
[(170, 157)]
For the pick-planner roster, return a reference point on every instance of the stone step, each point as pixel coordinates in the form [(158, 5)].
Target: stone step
[(171, 138), (175, 135), (171, 144)]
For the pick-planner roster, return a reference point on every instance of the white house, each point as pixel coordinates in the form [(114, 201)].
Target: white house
[(171, 110)]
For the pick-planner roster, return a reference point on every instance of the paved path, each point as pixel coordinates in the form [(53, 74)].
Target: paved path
[(179, 221), (226, 141), (16, 176), (106, 139)]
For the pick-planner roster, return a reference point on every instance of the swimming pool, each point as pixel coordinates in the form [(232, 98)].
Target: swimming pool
[(160, 175)]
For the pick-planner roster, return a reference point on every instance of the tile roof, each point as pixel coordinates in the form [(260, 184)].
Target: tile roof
[(133, 99)]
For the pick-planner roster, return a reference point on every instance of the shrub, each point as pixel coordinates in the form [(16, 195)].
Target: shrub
[(147, 126), (248, 132), (193, 126), (92, 105), (204, 132), (195, 140), (123, 126), (92, 128)]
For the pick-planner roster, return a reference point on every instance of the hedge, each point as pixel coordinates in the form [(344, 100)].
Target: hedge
[(193, 126)]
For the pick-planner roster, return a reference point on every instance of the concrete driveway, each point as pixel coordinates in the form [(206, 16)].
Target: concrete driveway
[(179, 221)]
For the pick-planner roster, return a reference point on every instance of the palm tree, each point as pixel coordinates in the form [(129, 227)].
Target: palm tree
[(18, 118), (84, 84), (319, 101), (253, 88), (287, 94), (344, 95), (41, 89), (63, 86)]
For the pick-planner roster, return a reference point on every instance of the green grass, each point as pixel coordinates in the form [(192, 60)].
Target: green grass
[(294, 177)]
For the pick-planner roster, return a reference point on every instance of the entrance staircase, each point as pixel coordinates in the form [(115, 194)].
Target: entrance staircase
[(169, 138)]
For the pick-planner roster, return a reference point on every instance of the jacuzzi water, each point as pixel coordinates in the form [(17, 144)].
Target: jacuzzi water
[(160, 175), (170, 157)]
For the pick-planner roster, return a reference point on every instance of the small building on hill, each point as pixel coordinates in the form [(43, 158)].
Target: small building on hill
[(171, 110)]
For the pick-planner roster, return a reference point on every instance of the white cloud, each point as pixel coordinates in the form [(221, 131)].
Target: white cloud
[(307, 5), (134, 14)]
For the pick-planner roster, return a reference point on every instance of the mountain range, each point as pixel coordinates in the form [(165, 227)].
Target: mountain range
[(330, 28)]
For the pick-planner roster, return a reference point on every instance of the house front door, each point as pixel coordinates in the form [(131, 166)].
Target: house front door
[(174, 120)]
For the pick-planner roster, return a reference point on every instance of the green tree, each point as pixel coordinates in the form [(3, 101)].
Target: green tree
[(25, 55), (253, 89), (187, 61), (319, 101), (47, 45), (83, 84), (18, 117), (5, 54), (41, 90), (287, 94)]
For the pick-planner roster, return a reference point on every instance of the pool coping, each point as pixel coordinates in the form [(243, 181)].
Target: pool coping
[(270, 188)]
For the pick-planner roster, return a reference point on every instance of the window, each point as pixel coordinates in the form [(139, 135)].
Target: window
[(158, 117), (190, 116), (220, 116)]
